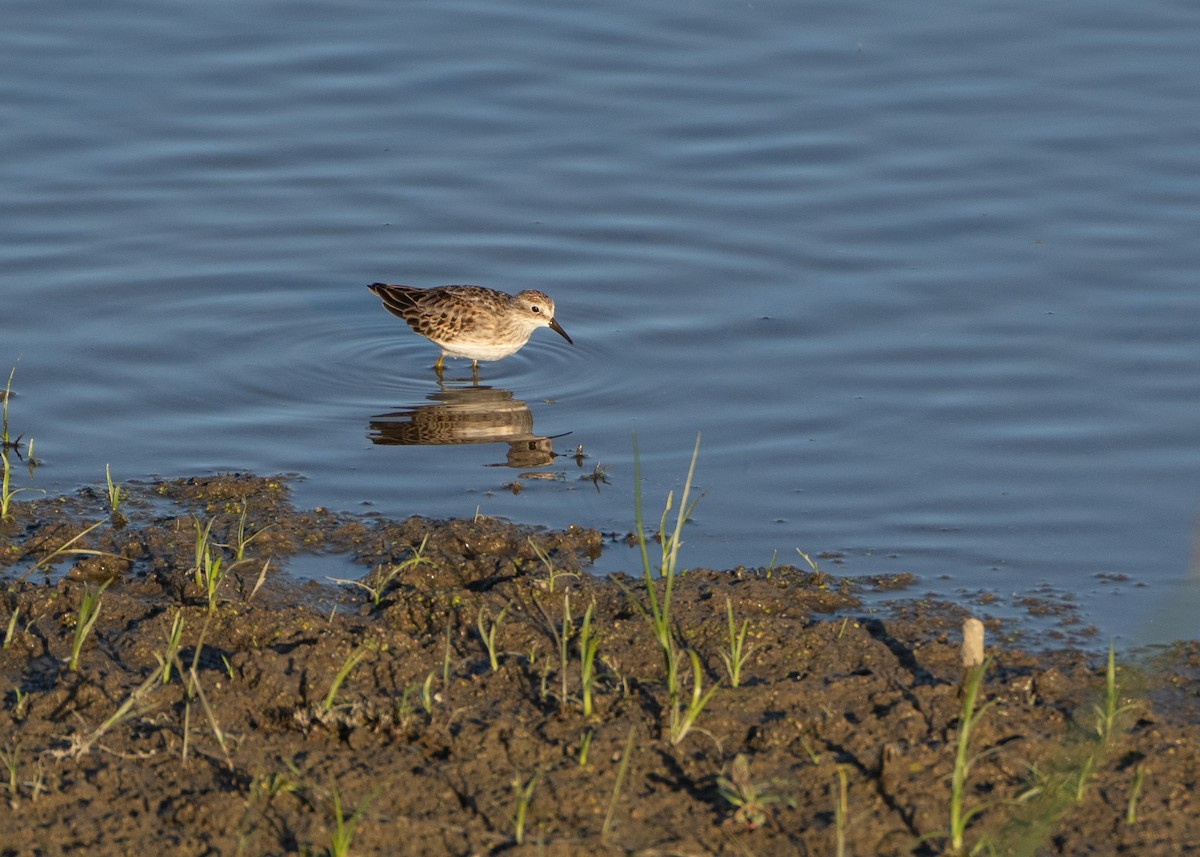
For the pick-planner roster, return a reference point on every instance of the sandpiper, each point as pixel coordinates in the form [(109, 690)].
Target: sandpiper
[(471, 321)]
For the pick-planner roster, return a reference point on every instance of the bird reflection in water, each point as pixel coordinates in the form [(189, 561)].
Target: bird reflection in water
[(460, 415)]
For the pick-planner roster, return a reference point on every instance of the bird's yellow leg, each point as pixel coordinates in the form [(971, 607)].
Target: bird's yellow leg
[(438, 366)]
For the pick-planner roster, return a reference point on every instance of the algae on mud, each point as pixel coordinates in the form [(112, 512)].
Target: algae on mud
[(845, 720)]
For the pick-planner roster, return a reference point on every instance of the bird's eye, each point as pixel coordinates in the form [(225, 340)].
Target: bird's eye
[(535, 308)]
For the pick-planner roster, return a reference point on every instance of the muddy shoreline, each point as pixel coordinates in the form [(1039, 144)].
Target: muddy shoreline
[(293, 708)]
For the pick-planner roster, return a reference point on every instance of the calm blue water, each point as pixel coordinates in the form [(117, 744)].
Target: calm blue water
[(923, 279)]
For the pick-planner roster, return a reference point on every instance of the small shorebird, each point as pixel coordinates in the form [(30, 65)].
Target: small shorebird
[(471, 321)]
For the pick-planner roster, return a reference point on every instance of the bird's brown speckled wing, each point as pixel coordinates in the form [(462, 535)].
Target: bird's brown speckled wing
[(439, 313)]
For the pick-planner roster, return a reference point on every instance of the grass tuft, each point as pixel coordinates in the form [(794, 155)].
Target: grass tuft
[(11, 628), (113, 490), (487, 633), (552, 573), (171, 655), (622, 772), (588, 644), (1109, 711), (352, 660), (85, 620), (681, 715), (523, 797), (384, 579), (840, 809), (657, 609), (6, 444), (344, 828), (738, 653), (65, 549), (1135, 792), (749, 797)]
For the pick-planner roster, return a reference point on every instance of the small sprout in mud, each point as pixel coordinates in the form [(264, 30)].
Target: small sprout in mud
[(588, 643), (406, 711), (11, 628), (1038, 784), (352, 660), (487, 633), (373, 591), (579, 456), (585, 744), (10, 758), (671, 541), (564, 638), (840, 808), (79, 745), (38, 785), (241, 540), (213, 572), (7, 493), (1083, 775), (427, 696), (813, 755), (614, 670), (343, 828), (65, 549), (174, 635), (259, 581), (20, 703), (194, 690), (842, 629), (749, 797), (201, 548), (1110, 711), (85, 620), (273, 784), (385, 578), (622, 771), (446, 654), (114, 491), (1135, 792), (552, 573), (735, 658), (820, 578), (544, 690), (683, 717), (523, 797)]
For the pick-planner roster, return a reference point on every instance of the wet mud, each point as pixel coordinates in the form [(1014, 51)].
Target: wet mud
[(436, 705)]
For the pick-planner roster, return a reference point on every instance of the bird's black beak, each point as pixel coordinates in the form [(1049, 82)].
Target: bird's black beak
[(554, 325)]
